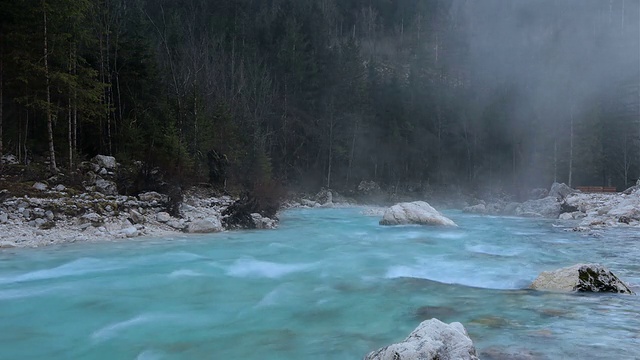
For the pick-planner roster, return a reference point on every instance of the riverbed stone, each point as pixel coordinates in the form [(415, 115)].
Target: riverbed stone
[(431, 340), (581, 278), (417, 212)]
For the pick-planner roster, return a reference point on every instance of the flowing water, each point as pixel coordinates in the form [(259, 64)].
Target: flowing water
[(329, 284)]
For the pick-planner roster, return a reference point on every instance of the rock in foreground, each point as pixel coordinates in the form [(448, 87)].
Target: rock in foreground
[(417, 212), (581, 278), (431, 340)]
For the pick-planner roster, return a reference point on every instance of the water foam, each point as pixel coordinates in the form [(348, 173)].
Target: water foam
[(80, 266), (461, 273), (184, 273), (250, 267), (113, 330)]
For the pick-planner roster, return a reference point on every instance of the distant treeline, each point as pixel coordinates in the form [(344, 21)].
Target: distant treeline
[(316, 93)]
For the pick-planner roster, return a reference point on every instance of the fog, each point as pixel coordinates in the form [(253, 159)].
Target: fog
[(555, 61)]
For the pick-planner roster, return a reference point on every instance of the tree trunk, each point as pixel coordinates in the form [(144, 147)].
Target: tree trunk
[(571, 152), (353, 147), (1, 98), (52, 153), (555, 160), (330, 153)]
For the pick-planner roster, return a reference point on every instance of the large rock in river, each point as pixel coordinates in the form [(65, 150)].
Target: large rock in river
[(581, 278), (431, 340), (417, 212)]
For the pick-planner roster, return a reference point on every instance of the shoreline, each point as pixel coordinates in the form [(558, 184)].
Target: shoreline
[(62, 216)]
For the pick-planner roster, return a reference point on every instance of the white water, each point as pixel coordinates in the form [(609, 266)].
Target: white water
[(329, 284)]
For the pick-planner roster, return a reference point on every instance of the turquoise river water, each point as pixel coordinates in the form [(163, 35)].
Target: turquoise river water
[(328, 284)]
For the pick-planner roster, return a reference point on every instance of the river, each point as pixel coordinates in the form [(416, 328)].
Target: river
[(328, 284)]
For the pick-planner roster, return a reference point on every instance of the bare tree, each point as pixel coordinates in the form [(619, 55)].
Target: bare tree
[(52, 153)]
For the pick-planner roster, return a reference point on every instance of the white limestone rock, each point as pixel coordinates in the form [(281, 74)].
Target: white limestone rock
[(152, 196), (103, 161), (106, 187), (205, 226), (40, 186), (431, 340), (163, 217), (176, 224), (262, 222), (581, 278), (417, 212)]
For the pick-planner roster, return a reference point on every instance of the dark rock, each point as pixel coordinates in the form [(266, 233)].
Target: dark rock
[(567, 208), (238, 214), (624, 220)]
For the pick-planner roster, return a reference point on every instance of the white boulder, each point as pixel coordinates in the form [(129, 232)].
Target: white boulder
[(40, 186), (417, 212), (163, 217), (205, 226), (581, 278), (104, 161), (431, 340)]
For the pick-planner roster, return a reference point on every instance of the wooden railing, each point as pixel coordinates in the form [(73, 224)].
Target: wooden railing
[(596, 189)]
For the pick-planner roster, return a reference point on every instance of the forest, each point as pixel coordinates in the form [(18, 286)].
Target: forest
[(412, 94)]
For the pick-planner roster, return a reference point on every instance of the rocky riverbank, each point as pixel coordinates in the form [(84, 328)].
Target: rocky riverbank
[(47, 212), (580, 211)]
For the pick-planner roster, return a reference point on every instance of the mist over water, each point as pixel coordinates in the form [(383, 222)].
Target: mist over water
[(556, 77), (330, 283)]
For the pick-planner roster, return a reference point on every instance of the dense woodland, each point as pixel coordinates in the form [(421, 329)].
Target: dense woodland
[(409, 93)]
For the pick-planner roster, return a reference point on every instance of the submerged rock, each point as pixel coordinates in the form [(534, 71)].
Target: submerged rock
[(417, 212), (581, 278), (431, 340)]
